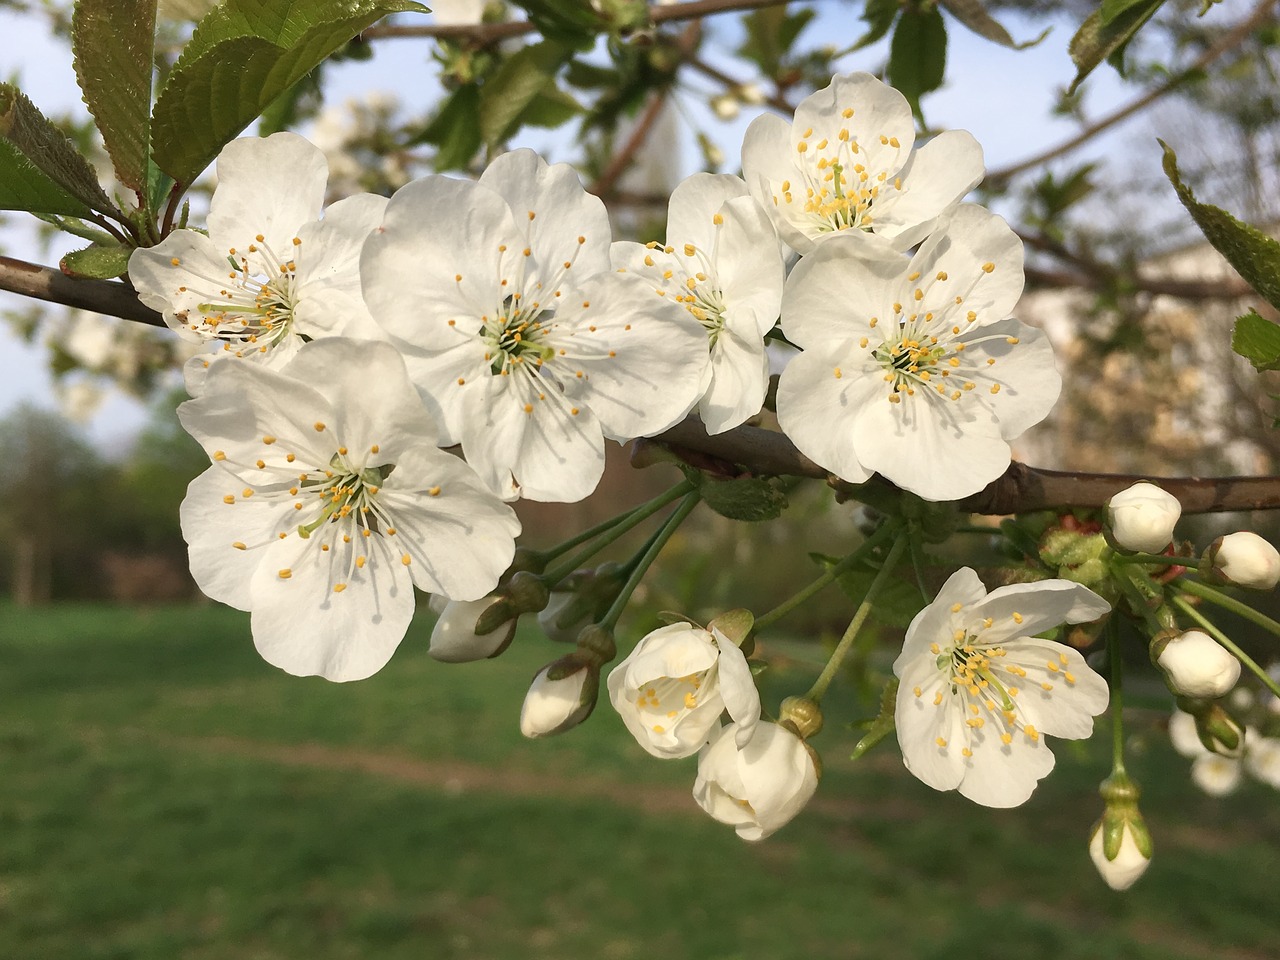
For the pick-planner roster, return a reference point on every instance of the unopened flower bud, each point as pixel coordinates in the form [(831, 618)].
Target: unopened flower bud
[(527, 591), (1218, 730), (751, 93), (1120, 845), (457, 637), (1142, 517), (1246, 560), (581, 598), (1195, 665), (562, 695)]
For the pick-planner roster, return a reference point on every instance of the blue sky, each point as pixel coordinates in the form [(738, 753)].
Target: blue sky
[(1001, 96)]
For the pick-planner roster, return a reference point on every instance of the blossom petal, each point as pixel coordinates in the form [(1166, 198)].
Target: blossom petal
[(177, 275), (301, 625), (880, 115), (1000, 774), (937, 175), (834, 292), (561, 453), (931, 731), (1025, 609), (963, 245), (934, 621), (811, 399), (1028, 378), (1047, 699), (269, 187), (739, 381), (694, 203), (749, 267), (737, 689)]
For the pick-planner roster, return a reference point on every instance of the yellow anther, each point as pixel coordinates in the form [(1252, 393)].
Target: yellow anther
[(268, 440), (995, 388), (286, 573), (361, 561), (847, 112), (406, 559), (229, 498), (1006, 738), (175, 261), (941, 742), (917, 691), (339, 587), (988, 267), (937, 699), (934, 649), (838, 373)]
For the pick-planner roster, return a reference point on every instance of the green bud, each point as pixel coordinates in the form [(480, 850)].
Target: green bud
[(596, 643)]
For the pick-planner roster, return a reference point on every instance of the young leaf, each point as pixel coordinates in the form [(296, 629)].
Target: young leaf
[(225, 79), (40, 170), (879, 15), (97, 262), (517, 82), (1257, 340), (454, 131), (918, 55), (1255, 256), (1097, 39), (113, 42), (975, 16)]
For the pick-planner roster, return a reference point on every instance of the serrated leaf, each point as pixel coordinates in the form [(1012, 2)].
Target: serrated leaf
[(1257, 340), (918, 55), (518, 81), (217, 89), (114, 42), (454, 131), (895, 605), (744, 498), (550, 109), (1253, 254), (1095, 41), (975, 16), (40, 169), (97, 262)]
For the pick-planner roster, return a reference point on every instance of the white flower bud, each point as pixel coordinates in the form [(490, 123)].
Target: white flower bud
[(558, 700), (1263, 758), (751, 93), (454, 638), (1246, 560), (1196, 665), (1142, 518), (758, 788), (1130, 862)]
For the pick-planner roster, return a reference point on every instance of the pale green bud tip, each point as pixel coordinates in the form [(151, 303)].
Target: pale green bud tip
[(528, 592), (1142, 517), (803, 715)]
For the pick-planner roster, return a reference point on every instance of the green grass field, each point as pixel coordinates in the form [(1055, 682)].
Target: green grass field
[(166, 794)]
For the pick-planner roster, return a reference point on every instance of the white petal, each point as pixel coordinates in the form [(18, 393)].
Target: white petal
[(833, 293), (1000, 774), (561, 455), (931, 735), (933, 623), (962, 245), (739, 381), (694, 203), (879, 113), (936, 176), (749, 266), (269, 186), (1026, 372), (1040, 606), (737, 689), (818, 410), (177, 289), (301, 625), (1067, 708)]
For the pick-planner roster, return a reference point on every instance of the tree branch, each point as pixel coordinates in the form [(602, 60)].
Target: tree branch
[(1233, 38), (765, 452), (98, 296), (486, 34)]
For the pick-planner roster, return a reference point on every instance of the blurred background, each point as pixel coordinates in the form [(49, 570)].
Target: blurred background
[(164, 793)]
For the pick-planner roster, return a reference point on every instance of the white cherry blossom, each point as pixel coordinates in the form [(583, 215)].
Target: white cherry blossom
[(270, 274), (722, 262), (519, 335), (759, 786), (978, 692), (1142, 517), (910, 369), (672, 688), (328, 501), (845, 165)]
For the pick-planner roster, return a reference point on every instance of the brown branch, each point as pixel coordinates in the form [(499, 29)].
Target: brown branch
[(765, 452), (777, 100), (99, 296), (621, 160), (1233, 38), (485, 34), (1182, 289)]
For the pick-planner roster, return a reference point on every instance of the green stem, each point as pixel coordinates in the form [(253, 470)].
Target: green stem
[(615, 527), (864, 610), (1190, 562), (1181, 603), (1203, 590), (828, 578), (672, 524), (1117, 696)]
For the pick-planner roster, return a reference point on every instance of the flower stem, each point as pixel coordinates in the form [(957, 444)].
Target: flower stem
[(610, 619), (864, 610), (1181, 603), (1117, 696), (1203, 590), (614, 527), (1155, 558), (827, 578)]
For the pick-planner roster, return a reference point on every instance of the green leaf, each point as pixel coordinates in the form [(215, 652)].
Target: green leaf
[(550, 109), (1097, 40), (1257, 340), (883, 724), (573, 23), (40, 170), (97, 262), (113, 42), (918, 55), (897, 603), (1255, 256), (243, 55), (879, 14), (975, 16), (518, 81), (771, 33), (1111, 9), (454, 131), (744, 498)]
